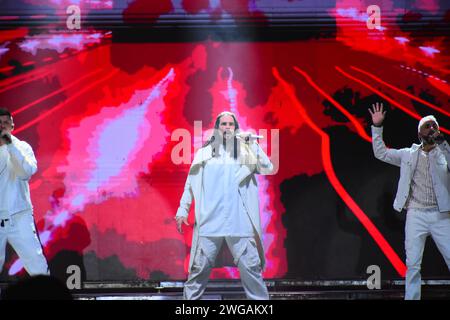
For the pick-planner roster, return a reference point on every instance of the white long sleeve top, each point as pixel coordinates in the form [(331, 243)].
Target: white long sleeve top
[(17, 165), (222, 211)]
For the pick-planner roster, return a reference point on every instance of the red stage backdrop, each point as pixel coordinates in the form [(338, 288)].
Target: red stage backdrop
[(116, 109)]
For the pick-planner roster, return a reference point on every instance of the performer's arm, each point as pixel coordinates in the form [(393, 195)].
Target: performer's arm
[(23, 159), (255, 154), (185, 205), (3, 159), (381, 152), (186, 199), (444, 146), (263, 164), (4, 193)]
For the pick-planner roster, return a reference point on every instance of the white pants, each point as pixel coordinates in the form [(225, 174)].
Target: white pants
[(419, 225), (245, 256), (20, 232)]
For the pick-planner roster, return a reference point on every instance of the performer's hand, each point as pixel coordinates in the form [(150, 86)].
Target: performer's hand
[(377, 114), (438, 137), (5, 138), (246, 137), (180, 221)]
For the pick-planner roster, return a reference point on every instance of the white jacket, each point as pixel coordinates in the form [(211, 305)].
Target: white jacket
[(17, 165), (253, 161), (406, 159)]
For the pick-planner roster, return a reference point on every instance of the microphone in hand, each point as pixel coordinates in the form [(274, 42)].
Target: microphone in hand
[(438, 137), (247, 136), (7, 138)]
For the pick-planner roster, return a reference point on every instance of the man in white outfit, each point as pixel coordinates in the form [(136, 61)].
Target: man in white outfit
[(222, 181), (423, 190), (17, 227)]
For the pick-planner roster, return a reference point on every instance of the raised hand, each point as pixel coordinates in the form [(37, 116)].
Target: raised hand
[(377, 114)]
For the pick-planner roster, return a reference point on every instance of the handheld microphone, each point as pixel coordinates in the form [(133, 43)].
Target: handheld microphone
[(249, 136), (7, 138), (437, 139)]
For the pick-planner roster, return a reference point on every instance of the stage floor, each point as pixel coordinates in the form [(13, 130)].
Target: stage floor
[(435, 289)]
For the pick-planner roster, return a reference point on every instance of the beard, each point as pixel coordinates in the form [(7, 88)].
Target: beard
[(428, 139)]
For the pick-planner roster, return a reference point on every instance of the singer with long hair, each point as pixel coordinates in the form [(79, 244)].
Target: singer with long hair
[(423, 191), (222, 181), (17, 227)]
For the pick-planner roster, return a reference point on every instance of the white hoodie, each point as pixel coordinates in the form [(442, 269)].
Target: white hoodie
[(17, 165), (4, 190)]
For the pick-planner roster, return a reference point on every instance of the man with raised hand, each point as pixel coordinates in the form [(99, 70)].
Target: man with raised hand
[(423, 190)]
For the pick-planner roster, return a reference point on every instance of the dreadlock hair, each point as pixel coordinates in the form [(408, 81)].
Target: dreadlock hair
[(214, 140)]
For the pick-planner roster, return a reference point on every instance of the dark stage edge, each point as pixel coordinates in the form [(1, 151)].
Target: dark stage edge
[(432, 289)]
